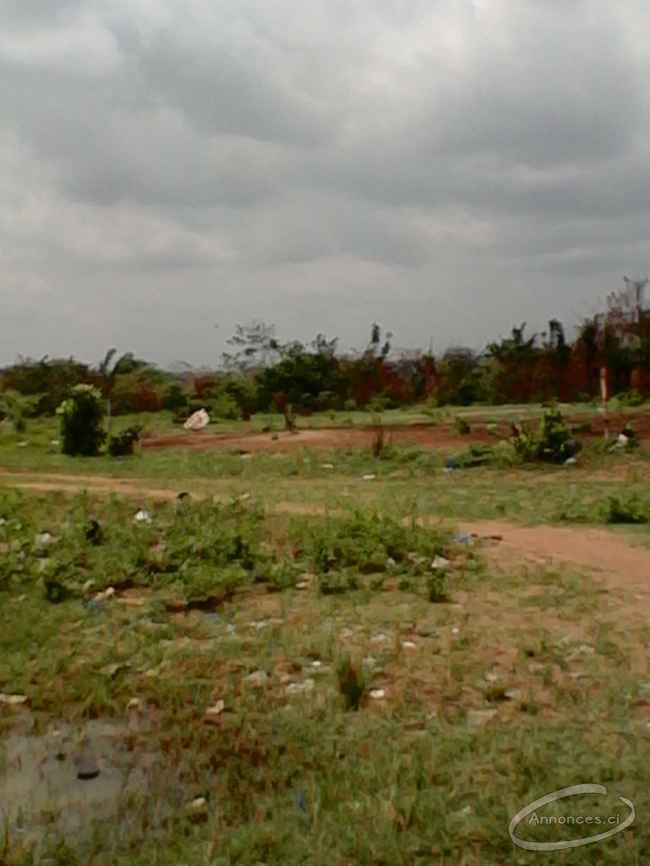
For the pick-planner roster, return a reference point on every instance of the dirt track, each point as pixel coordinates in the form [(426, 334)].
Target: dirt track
[(441, 436), (345, 438)]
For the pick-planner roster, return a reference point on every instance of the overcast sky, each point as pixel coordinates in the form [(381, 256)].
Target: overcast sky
[(446, 167)]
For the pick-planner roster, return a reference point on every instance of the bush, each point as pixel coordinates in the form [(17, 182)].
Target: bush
[(350, 405), (82, 415), (123, 444), (631, 398), (462, 427), (225, 406), (551, 443), (175, 399), (631, 510)]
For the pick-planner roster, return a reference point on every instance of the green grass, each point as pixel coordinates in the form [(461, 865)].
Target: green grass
[(486, 704), (497, 688)]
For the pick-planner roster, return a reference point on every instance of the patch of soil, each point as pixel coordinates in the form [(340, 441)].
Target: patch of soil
[(600, 551), (424, 435), (442, 436)]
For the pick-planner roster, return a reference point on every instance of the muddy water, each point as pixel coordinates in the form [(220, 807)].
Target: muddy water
[(78, 783)]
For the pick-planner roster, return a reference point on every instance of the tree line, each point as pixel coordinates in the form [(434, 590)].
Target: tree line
[(261, 373)]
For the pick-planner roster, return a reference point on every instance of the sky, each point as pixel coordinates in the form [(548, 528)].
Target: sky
[(448, 168)]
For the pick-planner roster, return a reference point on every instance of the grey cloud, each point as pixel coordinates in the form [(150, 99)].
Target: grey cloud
[(268, 159)]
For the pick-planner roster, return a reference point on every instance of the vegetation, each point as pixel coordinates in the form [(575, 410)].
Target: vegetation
[(82, 414), (262, 372)]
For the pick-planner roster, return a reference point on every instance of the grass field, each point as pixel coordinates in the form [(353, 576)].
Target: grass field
[(311, 659)]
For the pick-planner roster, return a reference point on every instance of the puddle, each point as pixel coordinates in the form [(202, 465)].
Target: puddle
[(75, 783)]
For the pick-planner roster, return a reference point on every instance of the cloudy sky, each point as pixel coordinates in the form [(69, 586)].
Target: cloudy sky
[(445, 167)]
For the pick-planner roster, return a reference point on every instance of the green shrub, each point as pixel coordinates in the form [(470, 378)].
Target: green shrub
[(552, 442), (631, 510), (123, 444), (225, 407), (631, 398), (462, 427), (175, 399), (82, 416), (350, 405)]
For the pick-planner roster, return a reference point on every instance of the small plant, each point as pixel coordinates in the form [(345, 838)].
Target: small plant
[(631, 398), (378, 442), (631, 510), (82, 416), (462, 427), (123, 445), (352, 683), (437, 587)]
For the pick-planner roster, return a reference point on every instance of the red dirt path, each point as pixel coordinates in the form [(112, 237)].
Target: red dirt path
[(443, 436)]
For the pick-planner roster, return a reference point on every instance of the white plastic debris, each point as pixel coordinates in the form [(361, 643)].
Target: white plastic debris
[(440, 563), (257, 679), (295, 688), (369, 477), (142, 516), (377, 694), (43, 539), (213, 713), (327, 466), (197, 420), (13, 700)]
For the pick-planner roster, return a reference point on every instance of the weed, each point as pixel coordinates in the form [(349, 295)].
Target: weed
[(123, 444), (351, 682)]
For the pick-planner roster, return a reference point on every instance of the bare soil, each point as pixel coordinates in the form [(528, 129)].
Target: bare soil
[(441, 436)]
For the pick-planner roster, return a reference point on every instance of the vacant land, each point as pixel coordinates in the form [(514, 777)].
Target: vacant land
[(319, 655)]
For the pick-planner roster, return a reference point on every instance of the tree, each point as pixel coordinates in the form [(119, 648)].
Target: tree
[(254, 343)]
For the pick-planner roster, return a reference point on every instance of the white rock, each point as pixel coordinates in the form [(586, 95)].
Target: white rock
[(377, 694), (369, 477), (408, 644), (327, 466), (197, 420), (142, 516), (455, 630)]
